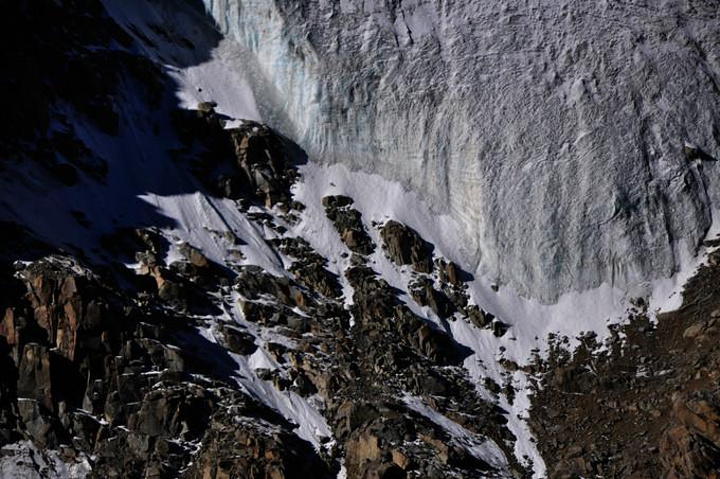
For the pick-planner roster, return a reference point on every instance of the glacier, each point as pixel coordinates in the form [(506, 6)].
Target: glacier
[(556, 133)]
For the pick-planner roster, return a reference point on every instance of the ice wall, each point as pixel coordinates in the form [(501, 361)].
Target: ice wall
[(553, 130)]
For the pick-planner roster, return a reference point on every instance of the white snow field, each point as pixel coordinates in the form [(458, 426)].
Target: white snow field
[(552, 131)]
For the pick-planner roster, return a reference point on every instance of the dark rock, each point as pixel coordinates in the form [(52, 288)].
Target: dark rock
[(348, 223), (237, 340), (424, 293), (34, 375), (405, 246)]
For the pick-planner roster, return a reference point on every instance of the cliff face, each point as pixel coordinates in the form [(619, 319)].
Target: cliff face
[(556, 132)]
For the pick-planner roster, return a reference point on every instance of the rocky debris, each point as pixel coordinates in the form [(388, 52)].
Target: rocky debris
[(377, 309), (405, 246), (348, 223), (389, 352), (310, 268), (239, 442), (645, 405), (702, 330), (252, 282), (316, 278)]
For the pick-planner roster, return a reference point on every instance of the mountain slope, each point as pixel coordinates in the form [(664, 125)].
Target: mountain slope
[(186, 292)]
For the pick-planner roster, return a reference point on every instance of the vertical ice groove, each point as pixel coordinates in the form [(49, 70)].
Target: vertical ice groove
[(553, 130)]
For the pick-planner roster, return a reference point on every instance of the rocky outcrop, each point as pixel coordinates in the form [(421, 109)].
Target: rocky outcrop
[(243, 443), (309, 268), (425, 294), (348, 223), (265, 159), (251, 161), (405, 246)]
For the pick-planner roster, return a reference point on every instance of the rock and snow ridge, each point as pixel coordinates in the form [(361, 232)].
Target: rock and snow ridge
[(147, 184)]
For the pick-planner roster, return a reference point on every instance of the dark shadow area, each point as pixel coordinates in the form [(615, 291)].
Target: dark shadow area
[(88, 144), (89, 118)]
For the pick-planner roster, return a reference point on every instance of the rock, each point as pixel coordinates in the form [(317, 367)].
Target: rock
[(691, 447), (314, 276), (262, 155), (176, 412), (348, 223), (499, 328), (400, 459), (237, 340), (694, 330), (38, 424), (194, 256), (361, 450), (478, 317), (240, 447), (207, 107), (405, 246), (338, 201), (34, 375), (436, 345), (351, 415), (7, 327), (425, 294), (449, 273)]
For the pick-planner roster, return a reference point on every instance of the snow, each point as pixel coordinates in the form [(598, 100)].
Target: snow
[(551, 131), (481, 448), (220, 80), (311, 425), (23, 460)]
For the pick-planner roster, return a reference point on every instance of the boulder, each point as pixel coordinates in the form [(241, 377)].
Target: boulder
[(237, 340), (405, 246)]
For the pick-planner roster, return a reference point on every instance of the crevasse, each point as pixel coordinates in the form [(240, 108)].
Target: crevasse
[(555, 132)]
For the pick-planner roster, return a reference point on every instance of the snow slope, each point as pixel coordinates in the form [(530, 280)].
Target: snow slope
[(553, 132)]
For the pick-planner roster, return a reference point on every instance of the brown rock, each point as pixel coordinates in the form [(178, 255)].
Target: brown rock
[(7, 327), (34, 375), (691, 447), (405, 246), (400, 459)]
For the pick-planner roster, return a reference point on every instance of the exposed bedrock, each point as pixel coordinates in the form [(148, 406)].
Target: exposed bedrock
[(573, 140)]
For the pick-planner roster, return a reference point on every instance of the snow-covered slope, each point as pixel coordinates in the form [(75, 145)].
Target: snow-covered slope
[(552, 131)]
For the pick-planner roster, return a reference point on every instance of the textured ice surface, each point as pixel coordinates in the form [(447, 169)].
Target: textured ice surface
[(553, 131)]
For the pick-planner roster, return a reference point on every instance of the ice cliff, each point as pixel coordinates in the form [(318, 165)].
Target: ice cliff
[(570, 138)]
